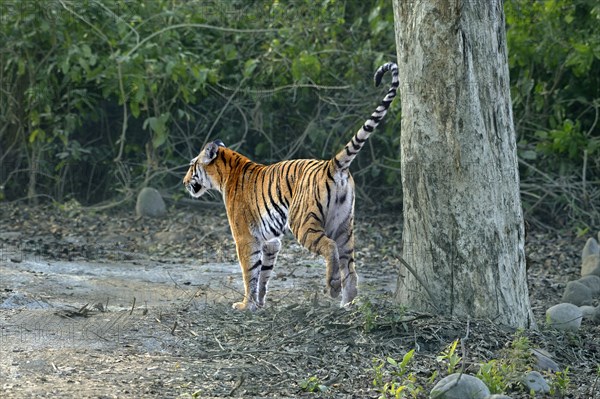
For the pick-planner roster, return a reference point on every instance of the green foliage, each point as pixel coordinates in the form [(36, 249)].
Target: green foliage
[(147, 83), (502, 374), (560, 383), (554, 59), (393, 379), (312, 384), (495, 375), (85, 83), (371, 319), (369, 315), (450, 357)]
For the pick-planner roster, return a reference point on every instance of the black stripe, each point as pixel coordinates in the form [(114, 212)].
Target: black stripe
[(257, 264), (309, 231), (320, 209), (287, 177), (274, 203), (350, 153), (315, 243), (314, 216)]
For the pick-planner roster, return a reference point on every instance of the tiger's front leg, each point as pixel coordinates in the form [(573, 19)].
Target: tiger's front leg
[(250, 257)]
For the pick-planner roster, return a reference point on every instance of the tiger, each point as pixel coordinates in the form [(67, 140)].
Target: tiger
[(312, 198)]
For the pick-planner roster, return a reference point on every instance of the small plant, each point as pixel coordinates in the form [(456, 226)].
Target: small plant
[(505, 373), (369, 316), (560, 383), (312, 384), (519, 353), (494, 375), (450, 357), (402, 382)]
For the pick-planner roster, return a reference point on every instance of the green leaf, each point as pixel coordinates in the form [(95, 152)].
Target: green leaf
[(37, 133), (307, 65), (135, 109), (159, 128), (230, 52), (21, 68), (249, 67), (407, 357)]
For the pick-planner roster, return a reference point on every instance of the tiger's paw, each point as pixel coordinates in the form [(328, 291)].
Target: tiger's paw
[(333, 288), (348, 295), (244, 306)]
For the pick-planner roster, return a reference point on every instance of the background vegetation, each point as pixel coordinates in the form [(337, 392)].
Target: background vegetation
[(99, 98)]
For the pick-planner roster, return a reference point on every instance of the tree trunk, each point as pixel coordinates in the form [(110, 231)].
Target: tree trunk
[(463, 222)]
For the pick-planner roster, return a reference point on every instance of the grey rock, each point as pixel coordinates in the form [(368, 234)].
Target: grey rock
[(591, 248), (577, 294), (592, 282), (460, 386), (591, 265), (564, 316), (536, 382), (497, 396), (544, 360), (150, 203), (591, 313)]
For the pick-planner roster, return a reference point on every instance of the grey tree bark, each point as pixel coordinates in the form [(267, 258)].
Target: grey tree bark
[(463, 222)]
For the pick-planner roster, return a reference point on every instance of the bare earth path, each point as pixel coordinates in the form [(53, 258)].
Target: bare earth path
[(105, 305)]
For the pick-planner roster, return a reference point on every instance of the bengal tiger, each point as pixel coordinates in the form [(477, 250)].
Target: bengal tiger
[(312, 198)]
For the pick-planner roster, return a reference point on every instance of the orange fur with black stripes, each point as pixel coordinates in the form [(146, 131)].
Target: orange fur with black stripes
[(312, 198)]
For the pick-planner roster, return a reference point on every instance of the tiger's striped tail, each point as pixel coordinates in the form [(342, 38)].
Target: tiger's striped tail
[(344, 158)]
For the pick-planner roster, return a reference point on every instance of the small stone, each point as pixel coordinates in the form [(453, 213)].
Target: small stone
[(536, 382), (150, 203), (591, 248), (544, 360), (591, 265), (497, 396), (591, 313), (564, 317), (592, 282), (460, 386), (577, 294)]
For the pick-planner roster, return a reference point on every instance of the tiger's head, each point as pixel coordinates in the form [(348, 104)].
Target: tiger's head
[(198, 178)]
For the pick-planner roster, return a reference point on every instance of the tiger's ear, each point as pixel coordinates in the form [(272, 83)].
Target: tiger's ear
[(210, 152)]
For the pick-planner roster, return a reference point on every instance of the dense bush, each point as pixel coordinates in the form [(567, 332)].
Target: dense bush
[(99, 98), (554, 53)]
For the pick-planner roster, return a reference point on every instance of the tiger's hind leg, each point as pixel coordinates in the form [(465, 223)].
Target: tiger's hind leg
[(270, 250), (344, 239), (312, 236)]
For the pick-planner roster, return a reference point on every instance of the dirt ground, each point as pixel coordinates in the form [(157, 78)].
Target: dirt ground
[(101, 304)]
